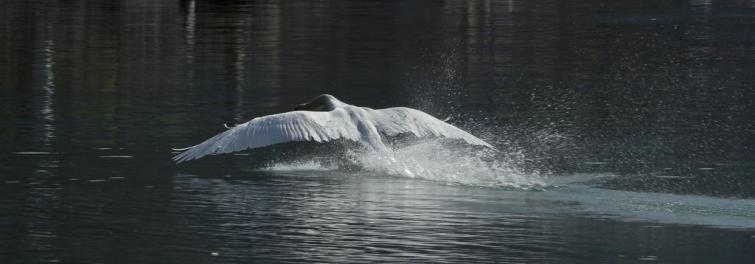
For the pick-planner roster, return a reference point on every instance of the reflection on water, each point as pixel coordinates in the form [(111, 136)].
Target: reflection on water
[(94, 94)]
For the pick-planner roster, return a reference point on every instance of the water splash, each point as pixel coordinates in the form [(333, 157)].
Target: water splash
[(301, 165), (430, 160), (434, 160)]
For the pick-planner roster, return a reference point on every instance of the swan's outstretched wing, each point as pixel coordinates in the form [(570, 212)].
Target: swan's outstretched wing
[(273, 129), (398, 120)]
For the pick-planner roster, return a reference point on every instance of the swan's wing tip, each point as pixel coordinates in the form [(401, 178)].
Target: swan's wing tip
[(180, 149), (491, 147), (273, 129), (187, 154), (480, 142), (180, 158)]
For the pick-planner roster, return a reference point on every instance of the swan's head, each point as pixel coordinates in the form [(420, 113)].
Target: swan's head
[(323, 102)]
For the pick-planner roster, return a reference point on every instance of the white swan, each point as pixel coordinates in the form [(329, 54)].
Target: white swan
[(325, 118)]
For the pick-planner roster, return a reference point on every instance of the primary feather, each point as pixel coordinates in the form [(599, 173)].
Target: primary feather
[(398, 120)]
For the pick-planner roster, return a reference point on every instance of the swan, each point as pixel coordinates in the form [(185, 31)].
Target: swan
[(323, 119)]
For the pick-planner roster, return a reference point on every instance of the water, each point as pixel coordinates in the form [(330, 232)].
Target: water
[(625, 129)]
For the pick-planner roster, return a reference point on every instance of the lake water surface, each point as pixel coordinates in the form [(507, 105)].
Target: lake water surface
[(625, 128)]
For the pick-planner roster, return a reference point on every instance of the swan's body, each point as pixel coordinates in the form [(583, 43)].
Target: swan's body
[(323, 119)]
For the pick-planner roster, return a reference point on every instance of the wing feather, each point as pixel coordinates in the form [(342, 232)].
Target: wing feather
[(323, 127), (398, 120), (274, 129)]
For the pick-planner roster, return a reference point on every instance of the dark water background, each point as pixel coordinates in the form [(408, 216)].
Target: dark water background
[(650, 102)]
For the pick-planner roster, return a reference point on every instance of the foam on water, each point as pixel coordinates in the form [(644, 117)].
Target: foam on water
[(302, 165), (433, 160), (649, 206), (436, 161)]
